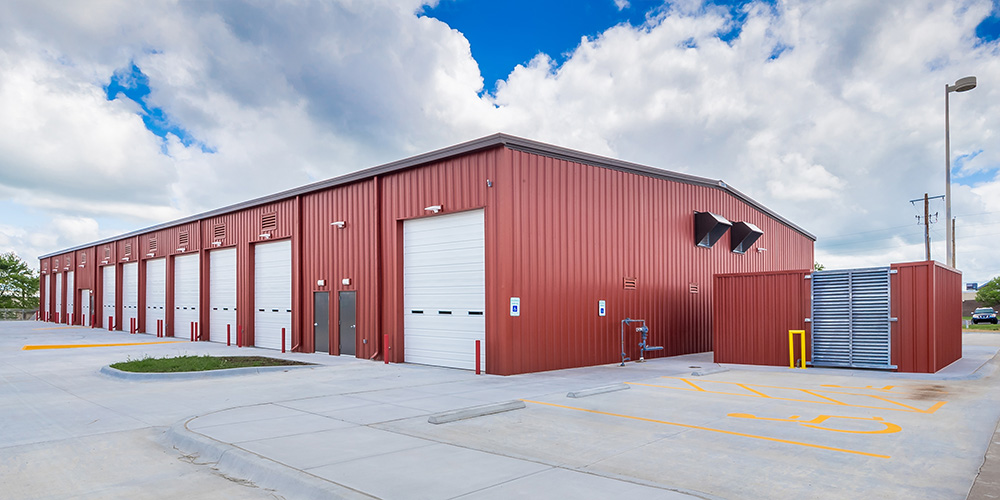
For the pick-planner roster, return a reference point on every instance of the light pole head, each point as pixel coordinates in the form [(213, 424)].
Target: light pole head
[(963, 84)]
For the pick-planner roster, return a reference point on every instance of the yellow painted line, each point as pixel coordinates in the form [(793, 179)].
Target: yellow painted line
[(55, 328), (761, 394), (692, 384), (910, 409), (721, 431), (811, 393), (71, 346)]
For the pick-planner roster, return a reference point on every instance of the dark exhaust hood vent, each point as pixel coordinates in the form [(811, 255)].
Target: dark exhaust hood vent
[(708, 228), (743, 236)]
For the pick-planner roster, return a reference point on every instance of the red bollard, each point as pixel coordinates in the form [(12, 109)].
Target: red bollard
[(196, 334), (282, 340), (110, 319), (229, 336), (92, 322), (239, 335), (385, 347), (192, 331), (477, 358)]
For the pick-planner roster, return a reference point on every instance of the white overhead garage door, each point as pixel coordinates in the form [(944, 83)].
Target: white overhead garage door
[(272, 293), (186, 296), (130, 295), (444, 290), (222, 293), (85, 319), (59, 317), (108, 296), (156, 293), (70, 292)]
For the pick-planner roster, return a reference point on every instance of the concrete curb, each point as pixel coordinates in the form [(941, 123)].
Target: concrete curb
[(597, 390), (228, 372), (709, 371), (263, 472), (474, 411)]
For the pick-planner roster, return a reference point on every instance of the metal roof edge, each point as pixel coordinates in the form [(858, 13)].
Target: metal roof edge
[(487, 142)]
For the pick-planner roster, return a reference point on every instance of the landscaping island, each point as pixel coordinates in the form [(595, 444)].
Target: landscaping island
[(199, 363)]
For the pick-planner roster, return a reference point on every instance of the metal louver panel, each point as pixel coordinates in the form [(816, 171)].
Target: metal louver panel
[(850, 318)]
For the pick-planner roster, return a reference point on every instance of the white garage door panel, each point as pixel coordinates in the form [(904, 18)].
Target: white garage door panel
[(186, 294), (85, 307), (70, 292), (59, 316), (108, 295), (444, 289), (272, 293), (130, 295), (156, 293), (222, 294)]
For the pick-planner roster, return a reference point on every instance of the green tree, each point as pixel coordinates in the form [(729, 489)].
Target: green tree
[(18, 283), (990, 292)]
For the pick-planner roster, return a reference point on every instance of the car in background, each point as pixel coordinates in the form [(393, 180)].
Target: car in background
[(984, 315)]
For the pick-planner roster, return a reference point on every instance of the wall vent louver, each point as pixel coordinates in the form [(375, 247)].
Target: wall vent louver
[(630, 283), (182, 238), (219, 232), (128, 249), (152, 244), (268, 221)]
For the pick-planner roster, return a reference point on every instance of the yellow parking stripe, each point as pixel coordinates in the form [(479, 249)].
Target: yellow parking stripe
[(71, 346), (732, 433)]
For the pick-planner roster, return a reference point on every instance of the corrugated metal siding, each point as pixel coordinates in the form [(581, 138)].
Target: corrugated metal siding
[(458, 184), (577, 231), (752, 314), (331, 254), (927, 301), (948, 307), (242, 230)]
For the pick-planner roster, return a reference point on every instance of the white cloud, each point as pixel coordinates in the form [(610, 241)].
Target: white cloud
[(829, 112)]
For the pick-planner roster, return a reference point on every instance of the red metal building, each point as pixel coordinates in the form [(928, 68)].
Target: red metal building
[(536, 251)]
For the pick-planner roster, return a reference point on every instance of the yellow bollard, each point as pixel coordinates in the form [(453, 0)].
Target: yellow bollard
[(791, 347)]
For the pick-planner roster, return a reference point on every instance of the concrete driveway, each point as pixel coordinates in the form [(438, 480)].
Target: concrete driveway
[(359, 429)]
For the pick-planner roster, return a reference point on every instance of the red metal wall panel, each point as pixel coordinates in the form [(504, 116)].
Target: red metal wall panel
[(927, 302), (43, 290), (242, 230), (84, 278), (572, 233), (458, 184), (333, 254), (752, 314)]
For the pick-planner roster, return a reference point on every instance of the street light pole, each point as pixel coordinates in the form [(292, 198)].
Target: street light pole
[(962, 85)]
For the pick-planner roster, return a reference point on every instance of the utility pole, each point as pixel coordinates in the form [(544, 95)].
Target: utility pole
[(927, 227), (927, 223)]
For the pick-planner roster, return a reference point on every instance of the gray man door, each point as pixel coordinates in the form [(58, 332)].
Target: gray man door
[(321, 321), (348, 323)]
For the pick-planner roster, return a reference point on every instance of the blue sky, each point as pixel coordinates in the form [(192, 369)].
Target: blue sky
[(503, 35)]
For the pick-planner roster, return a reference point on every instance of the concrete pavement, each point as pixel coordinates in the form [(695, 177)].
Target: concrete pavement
[(358, 429)]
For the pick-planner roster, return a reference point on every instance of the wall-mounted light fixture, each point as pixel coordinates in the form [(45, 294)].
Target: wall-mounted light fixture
[(125, 259), (216, 243), (340, 224), (266, 236), (434, 208), (82, 265), (150, 254), (320, 282), (182, 249), (761, 250), (345, 281)]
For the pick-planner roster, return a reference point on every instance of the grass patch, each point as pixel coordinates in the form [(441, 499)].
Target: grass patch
[(984, 327), (198, 363)]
